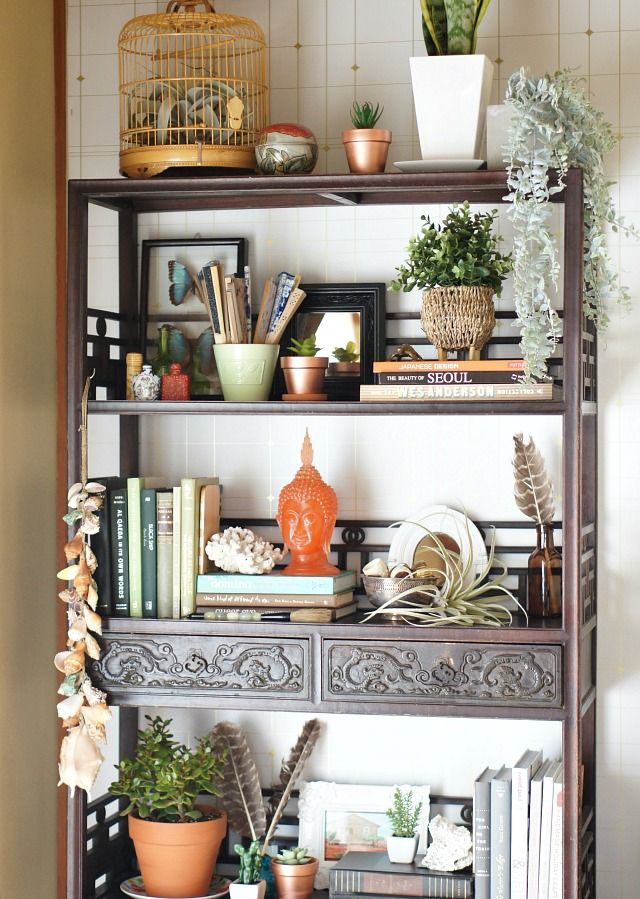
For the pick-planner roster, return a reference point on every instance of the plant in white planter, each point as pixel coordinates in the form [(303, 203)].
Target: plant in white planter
[(403, 816), (452, 84), (555, 127), (249, 883)]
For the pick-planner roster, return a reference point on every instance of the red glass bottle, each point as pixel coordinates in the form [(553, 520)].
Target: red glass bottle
[(544, 592), (175, 385)]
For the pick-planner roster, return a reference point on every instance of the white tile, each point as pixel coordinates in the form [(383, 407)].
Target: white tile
[(340, 21), (284, 67), (541, 18), (629, 111), (378, 21), (101, 25), (313, 109), (605, 95), (100, 74), (73, 121), (339, 102), (283, 105), (73, 30), (257, 10), (283, 23), (629, 15), (630, 52), (99, 126), (574, 52), (605, 55), (539, 53), (604, 16), (383, 64), (574, 16), (312, 17), (488, 27), (312, 66)]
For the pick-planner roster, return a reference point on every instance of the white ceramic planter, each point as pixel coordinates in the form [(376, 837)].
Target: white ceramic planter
[(402, 850), (247, 890), (450, 95)]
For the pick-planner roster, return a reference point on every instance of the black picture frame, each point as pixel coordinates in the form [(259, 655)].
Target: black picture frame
[(231, 251), (368, 300)]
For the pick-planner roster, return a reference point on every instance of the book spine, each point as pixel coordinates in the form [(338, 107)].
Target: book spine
[(119, 551), (276, 600), (555, 855), (101, 546), (545, 835), (164, 541), (344, 883), (449, 365), (533, 866), (187, 548), (519, 828), (425, 392), (500, 839), (450, 377), (177, 552), (134, 487), (209, 523), (149, 552), (481, 838), (249, 583)]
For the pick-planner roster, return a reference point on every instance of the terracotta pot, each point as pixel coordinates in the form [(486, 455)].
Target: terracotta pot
[(247, 890), (367, 149), (177, 860), (304, 374), (294, 881)]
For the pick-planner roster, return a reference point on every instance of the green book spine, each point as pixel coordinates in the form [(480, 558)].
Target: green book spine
[(119, 551), (134, 487), (149, 553), (164, 540)]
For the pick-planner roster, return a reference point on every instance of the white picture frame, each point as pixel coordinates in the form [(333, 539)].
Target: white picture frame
[(323, 804)]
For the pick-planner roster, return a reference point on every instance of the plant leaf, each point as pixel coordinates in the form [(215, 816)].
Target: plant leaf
[(532, 488)]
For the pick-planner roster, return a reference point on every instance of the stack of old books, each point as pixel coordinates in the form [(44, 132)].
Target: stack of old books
[(275, 596), (370, 875), (489, 380)]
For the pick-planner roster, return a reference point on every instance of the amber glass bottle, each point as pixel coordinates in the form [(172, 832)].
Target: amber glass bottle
[(544, 594)]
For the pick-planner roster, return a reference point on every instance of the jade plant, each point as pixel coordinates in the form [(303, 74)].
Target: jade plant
[(296, 856), (306, 347), (463, 250), (250, 862), (347, 353), (404, 814), (450, 27), (365, 115), (164, 778)]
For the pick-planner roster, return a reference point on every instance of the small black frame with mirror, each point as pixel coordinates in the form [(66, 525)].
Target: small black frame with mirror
[(338, 314)]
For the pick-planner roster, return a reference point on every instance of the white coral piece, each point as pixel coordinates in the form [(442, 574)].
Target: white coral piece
[(240, 550), (451, 849)]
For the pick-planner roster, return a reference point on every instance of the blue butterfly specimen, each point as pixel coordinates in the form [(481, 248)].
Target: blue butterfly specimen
[(181, 283)]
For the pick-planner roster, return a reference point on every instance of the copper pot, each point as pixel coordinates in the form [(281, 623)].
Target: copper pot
[(367, 149), (294, 881), (304, 374)]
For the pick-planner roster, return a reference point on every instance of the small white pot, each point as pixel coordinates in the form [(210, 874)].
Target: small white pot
[(247, 890), (450, 95), (402, 849)]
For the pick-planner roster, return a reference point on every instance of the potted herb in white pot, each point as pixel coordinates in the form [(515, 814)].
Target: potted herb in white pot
[(404, 816), (452, 84)]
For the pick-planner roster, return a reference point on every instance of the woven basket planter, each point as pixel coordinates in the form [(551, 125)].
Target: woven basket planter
[(456, 318)]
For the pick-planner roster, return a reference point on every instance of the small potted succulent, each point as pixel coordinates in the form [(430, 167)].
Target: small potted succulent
[(346, 360), (294, 872), (404, 816), (304, 371), (366, 146), (249, 883), (458, 265), (176, 839)]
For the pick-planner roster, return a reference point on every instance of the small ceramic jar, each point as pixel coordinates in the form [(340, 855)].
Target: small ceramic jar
[(146, 385), (175, 385), (286, 149)]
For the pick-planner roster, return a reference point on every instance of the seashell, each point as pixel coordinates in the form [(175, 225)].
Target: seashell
[(69, 685), (68, 574), (401, 570), (82, 579), (70, 707), (80, 760), (77, 630), (93, 620), (69, 661), (94, 487), (376, 568), (92, 504), (90, 558), (71, 722), (92, 647), (94, 718), (68, 596), (73, 491), (90, 524), (92, 595), (92, 694), (73, 548)]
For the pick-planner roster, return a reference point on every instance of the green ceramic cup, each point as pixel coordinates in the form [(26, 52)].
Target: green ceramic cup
[(246, 369)]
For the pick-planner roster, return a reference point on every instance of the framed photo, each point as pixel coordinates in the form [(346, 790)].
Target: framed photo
[(342, 316), (337, 817), (167, 296)]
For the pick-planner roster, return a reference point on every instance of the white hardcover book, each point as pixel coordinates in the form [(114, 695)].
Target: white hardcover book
[(535, 814), (545, 830), (555, 855), (177, 551), (521, 774)]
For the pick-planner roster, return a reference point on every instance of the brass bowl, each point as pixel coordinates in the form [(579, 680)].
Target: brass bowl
[(381, 589)]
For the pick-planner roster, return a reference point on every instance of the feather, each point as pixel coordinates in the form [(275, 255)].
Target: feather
[(533, 490), (290, 772), (241, 792)]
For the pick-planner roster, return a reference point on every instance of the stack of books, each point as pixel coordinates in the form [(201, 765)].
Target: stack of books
[(517, 830), (488, 380), (370, 875), (276, 596)]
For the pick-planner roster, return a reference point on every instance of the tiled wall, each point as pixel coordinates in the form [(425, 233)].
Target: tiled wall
[(322, 55)]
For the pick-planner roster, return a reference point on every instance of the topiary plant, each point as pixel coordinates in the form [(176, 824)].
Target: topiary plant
[(296, 856), (306, 347), (347, 353), (403, 814), (365, 115), (164, 778), (463, 250)]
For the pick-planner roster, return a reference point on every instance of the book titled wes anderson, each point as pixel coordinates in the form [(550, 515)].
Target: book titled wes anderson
[(415, 393), (365, 874)]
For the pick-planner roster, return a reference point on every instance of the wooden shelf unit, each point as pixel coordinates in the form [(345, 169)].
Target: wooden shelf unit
[(537, 672)]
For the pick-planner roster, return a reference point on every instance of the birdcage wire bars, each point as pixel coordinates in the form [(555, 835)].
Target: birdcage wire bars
[(193, 90)]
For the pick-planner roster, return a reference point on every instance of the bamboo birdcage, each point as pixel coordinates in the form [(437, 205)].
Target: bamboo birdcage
[(193, 90)]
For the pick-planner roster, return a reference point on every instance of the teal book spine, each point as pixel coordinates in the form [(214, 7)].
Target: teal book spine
[(134, 488), (276, 583), (149, 552)]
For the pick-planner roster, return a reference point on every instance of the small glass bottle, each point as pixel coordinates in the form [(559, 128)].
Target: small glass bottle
[(161, 362), (175, 385), (544, 591), (146, 385), (134, 367)]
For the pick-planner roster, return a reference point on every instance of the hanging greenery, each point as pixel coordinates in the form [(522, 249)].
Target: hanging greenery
[(555, 128)]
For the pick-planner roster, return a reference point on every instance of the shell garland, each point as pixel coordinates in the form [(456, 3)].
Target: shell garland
[(84, 710)]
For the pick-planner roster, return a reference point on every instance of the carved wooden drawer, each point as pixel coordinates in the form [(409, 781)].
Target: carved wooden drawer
[(437, 673), (204, 665)]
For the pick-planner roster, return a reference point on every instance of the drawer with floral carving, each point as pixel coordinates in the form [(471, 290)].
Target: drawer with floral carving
[(451, 673), (199, 665)]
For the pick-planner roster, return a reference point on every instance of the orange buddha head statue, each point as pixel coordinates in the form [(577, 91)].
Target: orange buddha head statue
[(307, 512)]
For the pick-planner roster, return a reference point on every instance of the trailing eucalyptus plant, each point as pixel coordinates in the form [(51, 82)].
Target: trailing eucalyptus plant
[(450, 27), (556, 127)]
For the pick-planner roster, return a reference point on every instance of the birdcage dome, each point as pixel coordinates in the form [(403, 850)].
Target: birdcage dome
[(193, 90)]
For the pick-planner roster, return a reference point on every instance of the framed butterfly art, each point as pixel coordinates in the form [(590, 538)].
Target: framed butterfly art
[(169, 296)]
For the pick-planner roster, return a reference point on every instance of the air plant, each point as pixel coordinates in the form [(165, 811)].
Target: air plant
[(450, 27), (365, 115), (455, 599)]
